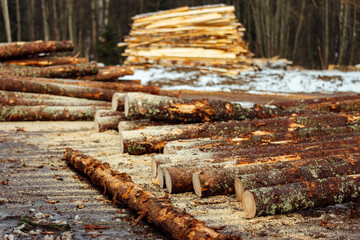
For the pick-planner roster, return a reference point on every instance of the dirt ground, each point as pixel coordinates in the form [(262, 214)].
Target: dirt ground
[(35, 179)]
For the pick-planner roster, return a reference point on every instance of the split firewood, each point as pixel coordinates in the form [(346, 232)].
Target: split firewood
[(109, 73), (22, 49), (26, 85), (177, 224), (45, 61), (107, 113), (47, 113), (291, 175), (108, 123), (117, 101), (300, 195)]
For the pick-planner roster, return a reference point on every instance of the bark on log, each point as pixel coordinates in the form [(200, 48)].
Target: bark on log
[(178, 145), (301, 195), (176, 223), (145, 106), (23, 85), (341, 106), (110, 73), (58, 71), (47, 113), (134, 125), (21, 49), (117, 101), (46, 61), (108, 123), (291, 175), (107, 113)]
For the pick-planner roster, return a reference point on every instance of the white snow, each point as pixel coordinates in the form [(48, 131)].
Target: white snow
[(266, 81)]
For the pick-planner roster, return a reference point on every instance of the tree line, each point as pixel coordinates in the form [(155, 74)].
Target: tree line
[(311, 33)]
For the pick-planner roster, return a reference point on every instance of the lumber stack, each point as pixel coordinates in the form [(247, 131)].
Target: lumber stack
[(206, 36)]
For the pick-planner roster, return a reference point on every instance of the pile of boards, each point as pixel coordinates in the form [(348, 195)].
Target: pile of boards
[(202, 37), (35, 85), (276, 159)]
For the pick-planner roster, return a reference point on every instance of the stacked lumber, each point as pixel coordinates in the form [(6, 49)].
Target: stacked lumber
[(205, 36), (284, 160)]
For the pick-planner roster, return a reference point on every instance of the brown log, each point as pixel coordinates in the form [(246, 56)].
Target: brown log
[(145, 106), (21, 49), (117, 101), (301, 195), (107, 113), (291, 175), (47, 113), (26, 99), (109, 73), (108, 123), (23, 85), (46, 61), (341, 106), (174, 222)]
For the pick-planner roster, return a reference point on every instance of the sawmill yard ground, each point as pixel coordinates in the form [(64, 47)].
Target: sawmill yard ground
[(35, 179)]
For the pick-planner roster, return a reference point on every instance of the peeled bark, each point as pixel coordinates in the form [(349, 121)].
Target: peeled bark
[(45, 61), (22, 49), (109, 73), (144, 106), (58, 71), (117, 101), (301, 195), (291, 175), (108, 123), (47, 113), (23, 85), (108, 113), (176, 223)]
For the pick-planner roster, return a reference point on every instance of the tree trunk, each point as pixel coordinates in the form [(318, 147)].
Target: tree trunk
[(45, 14), (176, 223), (69, 8), (56, 22), (298, 29), (4, 4), (291, 175), (109, 73), (22, 49), (93, 29), (47, 113), (326, 37), (108, 123), (31, 19), (344, 39), (118, 101), (18, 21), (45, 61), (300, 195), (23, 85)]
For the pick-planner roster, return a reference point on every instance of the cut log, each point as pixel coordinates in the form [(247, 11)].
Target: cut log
[(134, 124), (108, 123), (107, 113), (301, 195), (145, 106), (47, 113), (118, 101), (174, 146), (174, 222), (22, 85), (109, 73), (46, 61), (22, 49), (291, 175)]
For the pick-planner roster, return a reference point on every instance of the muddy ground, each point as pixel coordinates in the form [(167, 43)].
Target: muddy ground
[(36, 184)]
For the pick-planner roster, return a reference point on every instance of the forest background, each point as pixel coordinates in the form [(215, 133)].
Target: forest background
[(311, 33)]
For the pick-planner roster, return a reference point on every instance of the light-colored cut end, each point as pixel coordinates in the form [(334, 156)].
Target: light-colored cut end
[(114, 102), (196, 184), (154, 167), (97, 125), (239, 188), (121, 142), (168, 181), (126, 105), (249, 204), (161, 177)]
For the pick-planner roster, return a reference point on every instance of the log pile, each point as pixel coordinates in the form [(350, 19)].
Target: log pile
[(206, 36)]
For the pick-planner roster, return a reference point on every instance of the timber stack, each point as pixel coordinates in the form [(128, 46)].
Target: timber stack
[(201, 37)]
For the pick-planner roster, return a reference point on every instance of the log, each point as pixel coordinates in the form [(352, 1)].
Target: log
[(301, 195), (291, 175), (145, 106), (109, 73), (22, 49), (174, 222), (107, 113), (117, 101), (341, 106), (134, 124), (108, 123), (47, 113), (174, 146), (21, 84), (46, 61)]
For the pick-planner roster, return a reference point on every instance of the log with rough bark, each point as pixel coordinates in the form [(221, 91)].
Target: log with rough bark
[(145, 106), (47, 113), (109, 73), (46, 61), (107, 113), (22, 49), (291, 175), (117, 101), (108, 123), (27, 99), (174, 222), (58, 71), (301, 195), (26, 85)]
